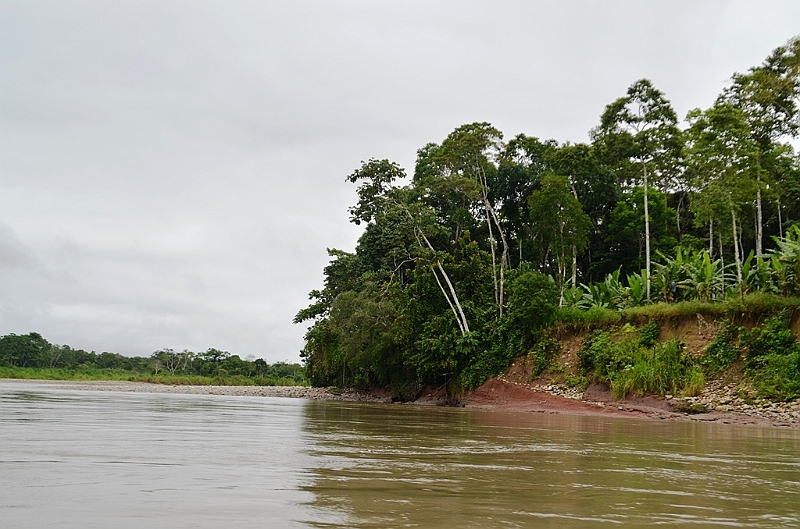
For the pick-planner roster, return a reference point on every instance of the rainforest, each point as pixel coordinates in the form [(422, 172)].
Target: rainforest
[(491, 245)]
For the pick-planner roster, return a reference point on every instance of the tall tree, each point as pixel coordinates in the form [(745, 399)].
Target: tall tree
[(560, 224), (520, 168), (470, 153), (595, 187), (642, 128), (720, 155), (768, 97)]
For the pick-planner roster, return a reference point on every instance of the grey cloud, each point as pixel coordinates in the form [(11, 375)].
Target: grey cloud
[(172, 172)]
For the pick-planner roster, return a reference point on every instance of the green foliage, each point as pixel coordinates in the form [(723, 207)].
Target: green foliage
[(579, 382), (778, 376), (631, 368), (31, 356), (542, 355), (649, 333), (771, 353), (657, 371), (24, 351), (532, 306), (448, 282), (92, 373), (774, 338), (587, 319), (724, 350)]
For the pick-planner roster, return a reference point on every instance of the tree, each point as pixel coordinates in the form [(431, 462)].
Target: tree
[(720, 153), (595, 187), (560, 225), (24, 350), (640, 129), (520, 168), (469, 153), (625, 239), (768, 96)]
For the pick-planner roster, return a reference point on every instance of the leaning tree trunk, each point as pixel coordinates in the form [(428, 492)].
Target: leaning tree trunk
[(490, 212), (452, 298)]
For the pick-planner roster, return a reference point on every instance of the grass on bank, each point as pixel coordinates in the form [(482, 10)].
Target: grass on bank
[(602, 317), (631, 361), (91, 373)]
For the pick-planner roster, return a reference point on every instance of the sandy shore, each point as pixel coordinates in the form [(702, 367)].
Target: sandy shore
[(494, 394)]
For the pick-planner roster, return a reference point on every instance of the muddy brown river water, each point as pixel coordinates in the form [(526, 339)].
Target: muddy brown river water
[(90, 459)]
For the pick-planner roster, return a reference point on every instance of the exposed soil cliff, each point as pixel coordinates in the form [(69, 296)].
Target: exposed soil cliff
[(724, 397)]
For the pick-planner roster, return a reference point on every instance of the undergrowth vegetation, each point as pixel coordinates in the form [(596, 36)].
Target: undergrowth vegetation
[(633, 361), (637, 364)]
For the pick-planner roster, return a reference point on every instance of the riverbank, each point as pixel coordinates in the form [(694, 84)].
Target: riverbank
[(495, 394), (596, 400), (300, 392)]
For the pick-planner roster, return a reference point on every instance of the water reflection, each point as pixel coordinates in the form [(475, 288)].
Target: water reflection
[(80, 459), (393, 466)]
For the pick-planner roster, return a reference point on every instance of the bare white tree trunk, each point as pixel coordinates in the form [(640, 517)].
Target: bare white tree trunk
[(574, 248), (574, 265), (711, 239), (452, 298), (646, 230), (759, 217), (452, 307), (503, 258), (736, 253), (463, 325), (492, 245), (722, 265), (500, 288)]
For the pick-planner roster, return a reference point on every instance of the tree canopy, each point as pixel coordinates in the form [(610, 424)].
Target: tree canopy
[(461, 268)]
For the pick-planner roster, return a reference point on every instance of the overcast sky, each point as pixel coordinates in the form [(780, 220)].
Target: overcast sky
[(171, 173)]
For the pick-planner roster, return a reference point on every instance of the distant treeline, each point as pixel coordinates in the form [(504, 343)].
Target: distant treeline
[(35, 354)]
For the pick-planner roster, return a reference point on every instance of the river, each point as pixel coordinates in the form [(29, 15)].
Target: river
[(92, 459)]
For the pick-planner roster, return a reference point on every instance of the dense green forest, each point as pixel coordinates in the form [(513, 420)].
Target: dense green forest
[(464, 264), (32, 356)]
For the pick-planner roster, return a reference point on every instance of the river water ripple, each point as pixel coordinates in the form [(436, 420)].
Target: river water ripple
[(85, 459)]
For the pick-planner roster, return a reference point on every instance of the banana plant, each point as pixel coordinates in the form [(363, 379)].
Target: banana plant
[(785, 261), (758, 276), (672, 278), (706, 277), (637, 288), (596, 295)]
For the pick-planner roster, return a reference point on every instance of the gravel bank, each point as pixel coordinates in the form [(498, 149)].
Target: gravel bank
[(717, 403), (298, 392)]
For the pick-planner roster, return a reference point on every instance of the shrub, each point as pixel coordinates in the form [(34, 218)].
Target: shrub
[(773, 338), (649, 333), (779, 376), (661, 370), (723, 351), (579, 382), (542, 355), (772, 359)]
